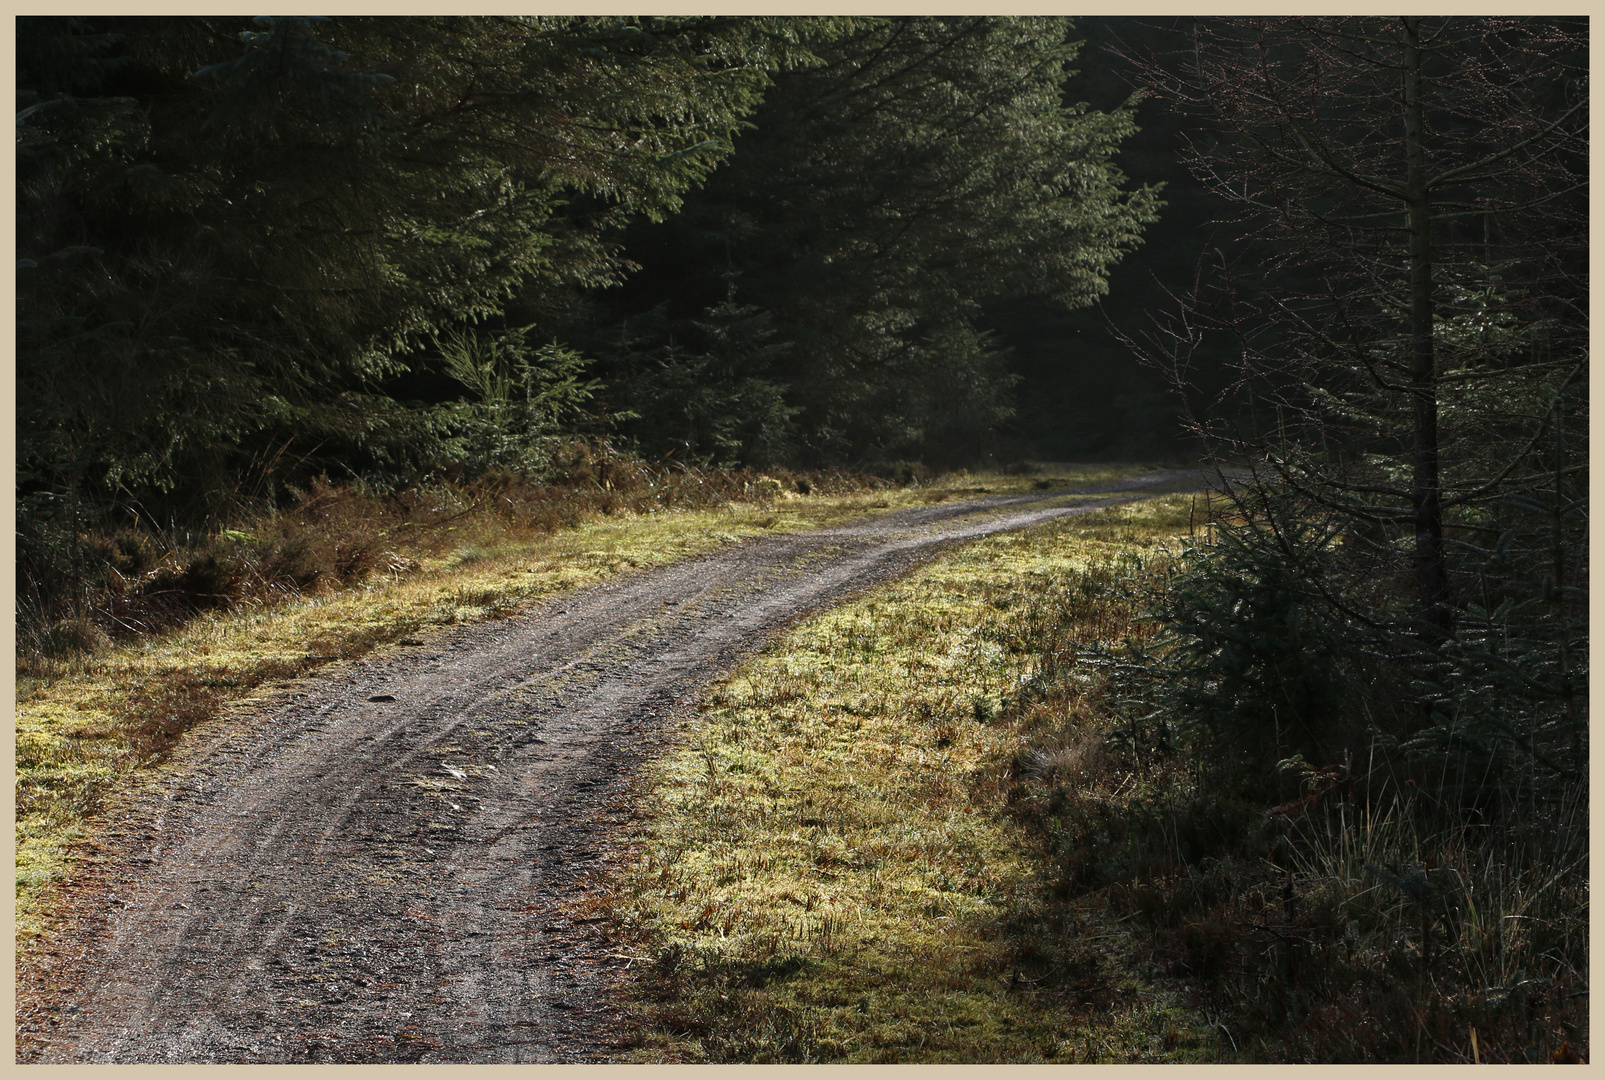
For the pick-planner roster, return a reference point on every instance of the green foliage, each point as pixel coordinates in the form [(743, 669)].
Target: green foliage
[(713, 390), (233, 233), (215, 258), (963, 394), (284, 68), (1509, 724), (1249, 666), (920, 168), (1281, 637), (254, 252), (523, 398), (1428, 795), (1378, 897), (1411, 388)]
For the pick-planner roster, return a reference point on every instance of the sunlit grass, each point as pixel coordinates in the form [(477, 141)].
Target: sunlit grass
[(829, 871), (87, 725)]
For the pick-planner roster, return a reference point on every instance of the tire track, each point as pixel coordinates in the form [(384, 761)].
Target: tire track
[(384, 864)]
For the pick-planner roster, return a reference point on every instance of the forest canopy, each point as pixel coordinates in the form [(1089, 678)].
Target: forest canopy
[(254, 250)]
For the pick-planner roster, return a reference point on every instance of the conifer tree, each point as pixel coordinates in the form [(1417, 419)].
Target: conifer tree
[(231, 228), (1408, 300), (919, 168), (1416, 190)]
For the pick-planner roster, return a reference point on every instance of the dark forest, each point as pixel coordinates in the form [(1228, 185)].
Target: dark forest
[(372, 274)]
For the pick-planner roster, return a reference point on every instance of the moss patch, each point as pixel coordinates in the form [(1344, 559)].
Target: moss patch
[(829, 870)]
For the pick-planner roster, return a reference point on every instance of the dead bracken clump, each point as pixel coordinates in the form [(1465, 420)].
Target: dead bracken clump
[(80, 635), (131, 581)]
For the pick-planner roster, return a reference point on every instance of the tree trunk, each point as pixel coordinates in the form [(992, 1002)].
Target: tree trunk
[(1426, 499)]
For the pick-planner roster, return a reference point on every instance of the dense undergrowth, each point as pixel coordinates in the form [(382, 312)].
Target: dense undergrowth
[(1354, 910), (159, 632), (1358, 842), (120, 577)]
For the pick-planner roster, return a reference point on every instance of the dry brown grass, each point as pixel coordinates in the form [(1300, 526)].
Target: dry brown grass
[(187, 626)]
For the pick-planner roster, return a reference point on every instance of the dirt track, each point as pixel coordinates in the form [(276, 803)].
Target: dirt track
[(388, 863)]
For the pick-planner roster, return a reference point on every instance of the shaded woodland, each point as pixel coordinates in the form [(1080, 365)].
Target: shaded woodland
[(1361, 694), (1344, 259), (406, 251), (388, 247)]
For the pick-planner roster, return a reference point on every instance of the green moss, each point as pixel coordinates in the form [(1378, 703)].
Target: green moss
[(828, 871)]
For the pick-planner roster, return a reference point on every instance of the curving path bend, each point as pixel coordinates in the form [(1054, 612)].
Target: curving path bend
[(388, 862)]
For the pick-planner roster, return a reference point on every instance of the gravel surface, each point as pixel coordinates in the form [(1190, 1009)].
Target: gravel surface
[(389, 861)]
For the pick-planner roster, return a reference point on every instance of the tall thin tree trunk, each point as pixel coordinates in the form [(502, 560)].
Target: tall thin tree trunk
[(77, 571), (1426, 498), (1562, 599)]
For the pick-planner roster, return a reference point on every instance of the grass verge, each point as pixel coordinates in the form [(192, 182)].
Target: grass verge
[(93, 723), (831, 869)]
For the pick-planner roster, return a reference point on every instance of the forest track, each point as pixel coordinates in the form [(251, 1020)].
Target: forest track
[(387, 862)]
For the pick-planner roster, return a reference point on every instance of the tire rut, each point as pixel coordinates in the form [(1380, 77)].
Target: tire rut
[(388, 862)]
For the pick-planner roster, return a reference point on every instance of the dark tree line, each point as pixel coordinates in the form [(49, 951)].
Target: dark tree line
[(1080, 396), (232, 231), (255, 250), (1418, 189), (1406, 298), (830, 279), (1360, 722), (1389, 617)]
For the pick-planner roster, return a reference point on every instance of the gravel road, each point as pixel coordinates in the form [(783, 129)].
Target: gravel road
[(387, 862)]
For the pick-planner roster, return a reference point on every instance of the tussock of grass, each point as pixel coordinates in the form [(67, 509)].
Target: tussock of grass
[(93, 722), (830, 869)]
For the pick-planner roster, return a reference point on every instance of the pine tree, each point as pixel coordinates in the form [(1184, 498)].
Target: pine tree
[(1408, 299), (920, 168), (231, 229)]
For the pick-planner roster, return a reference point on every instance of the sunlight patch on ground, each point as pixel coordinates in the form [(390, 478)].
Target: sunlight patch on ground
[(828, 871)]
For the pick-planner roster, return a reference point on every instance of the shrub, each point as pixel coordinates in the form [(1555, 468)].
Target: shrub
[(1398, 860)]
